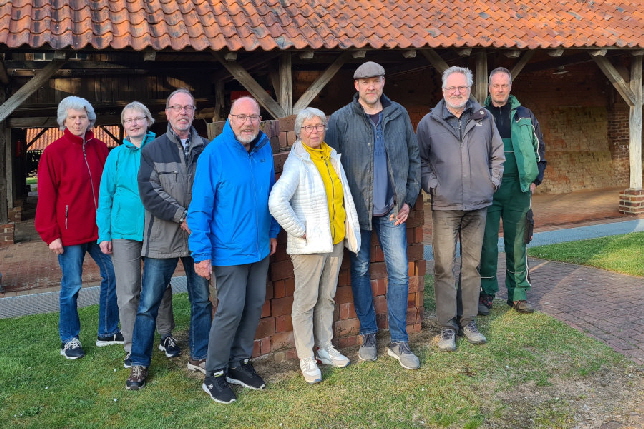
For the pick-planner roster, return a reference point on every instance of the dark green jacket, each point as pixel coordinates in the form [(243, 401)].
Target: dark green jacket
[(528, 144)]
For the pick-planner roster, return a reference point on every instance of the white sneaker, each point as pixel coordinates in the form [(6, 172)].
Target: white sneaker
[(310, 370), (330, 356)]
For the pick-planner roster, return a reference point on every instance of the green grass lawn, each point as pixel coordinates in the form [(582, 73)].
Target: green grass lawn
[(512, 382), (619, 253)]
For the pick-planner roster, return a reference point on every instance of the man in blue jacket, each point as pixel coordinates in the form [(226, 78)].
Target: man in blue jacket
[(524, 166), (379, 152), (233, 235)]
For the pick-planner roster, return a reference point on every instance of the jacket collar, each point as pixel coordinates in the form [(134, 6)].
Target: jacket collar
[(229, 136), (89, 135), (149, 136)]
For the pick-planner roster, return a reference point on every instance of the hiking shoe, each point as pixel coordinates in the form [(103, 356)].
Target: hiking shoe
[(72, 349), (136, 381), (310, 370), (330, 356), (521, 306), (197, 365), (246, 376), (485, 304), (218, 388), (127, 362), (368, 350), (472, 333), (108, 340), (169, 346), (447, 340), (404, 355)]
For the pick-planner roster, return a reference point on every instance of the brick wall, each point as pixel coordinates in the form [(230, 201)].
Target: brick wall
[(274, 334)]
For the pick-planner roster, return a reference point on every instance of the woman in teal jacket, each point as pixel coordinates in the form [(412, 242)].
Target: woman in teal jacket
[(120, 219)]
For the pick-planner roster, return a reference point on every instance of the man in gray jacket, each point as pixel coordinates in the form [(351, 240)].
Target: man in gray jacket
[(165, 178), (462, 164), (379, 152)]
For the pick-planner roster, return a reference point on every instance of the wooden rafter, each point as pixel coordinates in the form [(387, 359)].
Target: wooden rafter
[(29, 88), (616, 79), (435, 60), (256, 90), (320, 83)]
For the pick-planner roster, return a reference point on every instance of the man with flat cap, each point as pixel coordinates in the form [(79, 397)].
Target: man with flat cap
[(380, 155)]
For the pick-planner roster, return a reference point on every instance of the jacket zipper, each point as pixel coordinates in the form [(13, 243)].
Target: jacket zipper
[(89, 171), (66, 215)]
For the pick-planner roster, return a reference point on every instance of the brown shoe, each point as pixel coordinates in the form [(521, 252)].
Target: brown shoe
[(138, 374), (523, 306), (197, 365)]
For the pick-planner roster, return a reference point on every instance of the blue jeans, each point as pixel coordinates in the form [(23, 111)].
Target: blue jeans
[(449, 227), (157, 274), (393, 241), (71, 264)]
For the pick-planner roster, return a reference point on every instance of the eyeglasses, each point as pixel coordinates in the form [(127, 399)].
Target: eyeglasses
[(319, 128), (176, 108), (132, 120), (242, 118), (453, 89)]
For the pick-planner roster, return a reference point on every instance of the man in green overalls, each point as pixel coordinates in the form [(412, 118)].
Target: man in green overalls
[(523, 171)]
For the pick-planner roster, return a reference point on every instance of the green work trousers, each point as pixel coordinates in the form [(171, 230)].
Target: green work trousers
[(511, 206)]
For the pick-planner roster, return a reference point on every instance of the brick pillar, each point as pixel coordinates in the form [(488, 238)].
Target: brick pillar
[(631, 201), (6, 234)]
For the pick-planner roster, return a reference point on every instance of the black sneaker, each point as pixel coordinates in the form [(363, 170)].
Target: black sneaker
[(485, 304), (136, 381), (108, 340), (72, 349), (218, 388), (246, 376), (127, 362), (169, 346)]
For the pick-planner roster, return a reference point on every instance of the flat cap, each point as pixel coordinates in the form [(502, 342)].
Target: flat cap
[(369, 69)]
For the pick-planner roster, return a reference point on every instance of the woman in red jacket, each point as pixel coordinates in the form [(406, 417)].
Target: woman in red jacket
[(69, 173)]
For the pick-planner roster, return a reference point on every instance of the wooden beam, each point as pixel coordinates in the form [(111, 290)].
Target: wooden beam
[(286, 83), (116, 139), (4, 76), (359, 54), (35, 139), (435, 60), (50, 121), (616, 79), (307, 55), (466, 52), (150, 55), (29, 88), (231, 56), (480, 76), (320, 83), (5, 140), (635, 125), (256, 90), (219, 101), (521, 64), (512, 54), (556, 53), (599, 53)]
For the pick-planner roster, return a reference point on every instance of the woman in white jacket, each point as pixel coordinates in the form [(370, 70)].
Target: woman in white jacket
[(313, 204)]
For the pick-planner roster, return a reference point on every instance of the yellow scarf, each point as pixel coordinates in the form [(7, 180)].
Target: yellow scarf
[(321, 157)]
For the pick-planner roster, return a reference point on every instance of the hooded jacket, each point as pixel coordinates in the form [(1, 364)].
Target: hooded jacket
[(165, 185), (527, 142), (460, 174), (229, 216), (120, 212), (299, 203), (351, 133), (69, 174)]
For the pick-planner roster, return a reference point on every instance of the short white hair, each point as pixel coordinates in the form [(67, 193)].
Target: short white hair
[(76, 103), (308, 113)]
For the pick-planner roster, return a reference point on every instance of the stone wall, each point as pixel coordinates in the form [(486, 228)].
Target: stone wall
[(275, 332)]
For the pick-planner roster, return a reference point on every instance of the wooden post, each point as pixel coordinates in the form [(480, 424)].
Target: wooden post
[(286, 83), (635, 125), (480, 77), (4, 196)]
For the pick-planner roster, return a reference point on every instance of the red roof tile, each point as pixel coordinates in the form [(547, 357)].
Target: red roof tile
[(283, 24)]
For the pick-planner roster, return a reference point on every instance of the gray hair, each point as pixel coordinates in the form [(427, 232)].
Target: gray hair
[(455, 69), (76, 103), (179, 91), (500, 70), (136, 105), (308, 113)]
